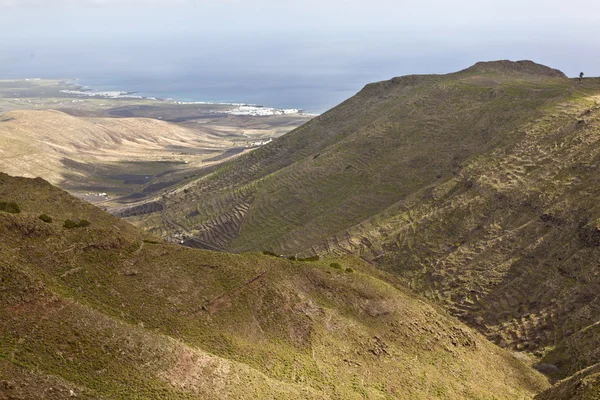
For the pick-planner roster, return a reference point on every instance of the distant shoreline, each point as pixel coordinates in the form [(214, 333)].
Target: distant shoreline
[(243, 109)]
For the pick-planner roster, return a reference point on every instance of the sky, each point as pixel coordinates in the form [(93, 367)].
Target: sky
[(349, 41)]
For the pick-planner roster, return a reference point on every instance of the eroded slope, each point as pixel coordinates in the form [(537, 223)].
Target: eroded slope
[(106, 311), (511, 243)]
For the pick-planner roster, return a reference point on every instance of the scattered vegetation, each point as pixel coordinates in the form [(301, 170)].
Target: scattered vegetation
[(105, 317)]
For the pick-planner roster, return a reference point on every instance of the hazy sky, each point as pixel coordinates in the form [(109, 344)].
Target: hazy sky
[(361, 40)]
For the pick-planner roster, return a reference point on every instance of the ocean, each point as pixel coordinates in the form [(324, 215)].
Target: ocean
[(273, 74), (314, 94)]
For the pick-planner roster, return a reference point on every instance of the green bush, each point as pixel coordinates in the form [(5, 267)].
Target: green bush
[(349, 270), (335, 265), (69, 224), (311, 258), (46, 218), (11, 207), (270, 253), (293, 258)]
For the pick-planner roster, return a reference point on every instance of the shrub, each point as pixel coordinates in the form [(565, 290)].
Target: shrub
[(46, 218), (311, 258), (269, 253), (11, 207), (335, 265), (293, 258), (349, 270), (69, 224)]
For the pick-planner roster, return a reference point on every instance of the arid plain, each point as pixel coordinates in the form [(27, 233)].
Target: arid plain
[(114, 147)]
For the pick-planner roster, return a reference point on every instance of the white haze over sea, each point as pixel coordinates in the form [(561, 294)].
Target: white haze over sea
[(308, 54)]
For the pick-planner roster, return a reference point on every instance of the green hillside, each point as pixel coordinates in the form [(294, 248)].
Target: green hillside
[(388, 142), (478, 189), (511, 243), (102, 310)]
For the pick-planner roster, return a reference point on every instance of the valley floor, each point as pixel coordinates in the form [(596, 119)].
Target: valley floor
[(109, 148)]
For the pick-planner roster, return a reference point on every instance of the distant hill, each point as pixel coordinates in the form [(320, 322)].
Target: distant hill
[(99, 309), (478, 189), (51, 143)]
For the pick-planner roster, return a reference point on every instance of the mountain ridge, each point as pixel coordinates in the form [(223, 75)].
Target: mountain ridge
[(475, 188), (507, 66), (382, 117)]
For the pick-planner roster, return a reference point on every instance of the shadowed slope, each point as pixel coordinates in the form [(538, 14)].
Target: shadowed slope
[(584, 385), (510, 244)]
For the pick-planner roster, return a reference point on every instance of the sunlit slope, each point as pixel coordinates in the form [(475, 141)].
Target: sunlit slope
[(391, 140), (105, 311), (48, 143)]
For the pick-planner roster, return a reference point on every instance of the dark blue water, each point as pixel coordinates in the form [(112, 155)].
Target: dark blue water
[(312, 94), (271, 73)]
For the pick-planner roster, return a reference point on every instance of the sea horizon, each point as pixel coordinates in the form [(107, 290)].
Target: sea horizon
[(305, 96)]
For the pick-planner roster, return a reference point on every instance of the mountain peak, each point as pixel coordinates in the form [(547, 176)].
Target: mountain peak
[(523, 67)]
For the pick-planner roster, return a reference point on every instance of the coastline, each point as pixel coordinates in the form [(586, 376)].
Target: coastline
[(79, 90)]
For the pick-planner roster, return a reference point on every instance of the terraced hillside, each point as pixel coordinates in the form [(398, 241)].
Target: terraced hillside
[(390, 141), (99, 309), (511, 243), (479, 189)]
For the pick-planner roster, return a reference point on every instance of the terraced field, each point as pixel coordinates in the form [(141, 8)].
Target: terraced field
[(393, 139), (510, 243), (479, 189)]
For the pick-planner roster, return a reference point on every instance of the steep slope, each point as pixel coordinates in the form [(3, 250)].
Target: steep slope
[(391, 140), (104, 311), (510, 244), (585, 385), (479, 189)]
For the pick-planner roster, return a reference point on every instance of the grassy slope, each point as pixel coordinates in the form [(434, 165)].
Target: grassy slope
[(107, 312), (479, 188), (510, 244), (391, 140)]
